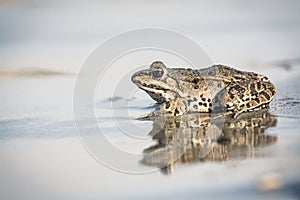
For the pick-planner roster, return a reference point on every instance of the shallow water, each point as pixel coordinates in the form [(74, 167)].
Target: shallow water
[(42, 155)]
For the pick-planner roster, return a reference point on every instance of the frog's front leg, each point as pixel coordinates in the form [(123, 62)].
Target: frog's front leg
[(175, 107)]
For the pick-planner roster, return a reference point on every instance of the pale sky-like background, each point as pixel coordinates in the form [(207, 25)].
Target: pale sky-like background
[(59, 34)]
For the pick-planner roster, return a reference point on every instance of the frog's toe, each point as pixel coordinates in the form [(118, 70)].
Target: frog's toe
[(145, 117), (149, 116)]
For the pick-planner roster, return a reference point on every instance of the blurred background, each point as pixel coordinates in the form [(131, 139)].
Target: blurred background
[(60, 34)]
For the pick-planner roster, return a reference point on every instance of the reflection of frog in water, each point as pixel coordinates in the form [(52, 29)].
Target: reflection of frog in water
[(215, 89), (199, 137)]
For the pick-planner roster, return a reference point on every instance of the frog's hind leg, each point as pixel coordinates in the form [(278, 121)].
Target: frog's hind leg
[(249, 95)]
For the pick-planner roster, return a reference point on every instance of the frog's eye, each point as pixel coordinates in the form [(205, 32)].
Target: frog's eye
[(157, 72)]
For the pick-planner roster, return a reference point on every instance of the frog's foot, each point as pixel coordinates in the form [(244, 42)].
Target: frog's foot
[(146, 117), (151, 115)]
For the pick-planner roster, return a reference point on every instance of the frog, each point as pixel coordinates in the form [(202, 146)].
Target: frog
[(215, 89)]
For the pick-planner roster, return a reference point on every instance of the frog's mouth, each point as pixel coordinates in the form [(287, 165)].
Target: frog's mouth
[(158, 92)]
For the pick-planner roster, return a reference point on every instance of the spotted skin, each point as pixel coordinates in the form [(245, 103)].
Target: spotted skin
[(215, 89)]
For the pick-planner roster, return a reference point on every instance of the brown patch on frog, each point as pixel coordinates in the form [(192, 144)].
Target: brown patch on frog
[(257, 100), (266, 95), (259, 85), (195, 81), (176, 112), (248, 105), (168, 105)]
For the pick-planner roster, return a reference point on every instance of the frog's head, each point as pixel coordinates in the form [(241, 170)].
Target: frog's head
[(157, 82)]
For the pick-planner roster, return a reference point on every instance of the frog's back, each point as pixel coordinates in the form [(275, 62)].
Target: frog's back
[(230, 89), (229, 74)]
